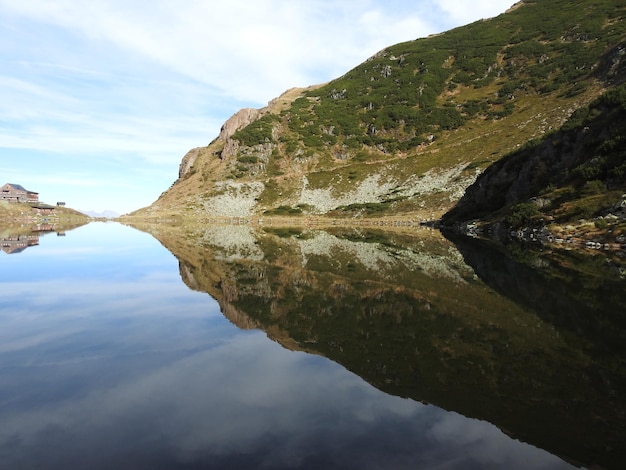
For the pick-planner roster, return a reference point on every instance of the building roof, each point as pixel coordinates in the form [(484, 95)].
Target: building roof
[(20, 188)]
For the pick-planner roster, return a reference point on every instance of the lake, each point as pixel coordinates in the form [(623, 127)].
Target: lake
[(241, 347)]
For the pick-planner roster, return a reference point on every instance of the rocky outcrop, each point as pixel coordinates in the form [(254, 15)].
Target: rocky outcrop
[(515, 6), (187, 162), (231, 147), (238, 318), (246, 116), (234, 199), (239, 120)]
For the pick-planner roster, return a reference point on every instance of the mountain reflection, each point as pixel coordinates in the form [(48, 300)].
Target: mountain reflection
[(405, 312), (581, 294)]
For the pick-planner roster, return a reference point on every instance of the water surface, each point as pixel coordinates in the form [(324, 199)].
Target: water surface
[(109, 360)]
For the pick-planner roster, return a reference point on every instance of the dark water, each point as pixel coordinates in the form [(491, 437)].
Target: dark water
[(313, 350)]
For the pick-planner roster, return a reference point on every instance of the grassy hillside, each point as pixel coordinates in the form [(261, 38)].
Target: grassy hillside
[(576, 173), (409, 129), (11, 214)]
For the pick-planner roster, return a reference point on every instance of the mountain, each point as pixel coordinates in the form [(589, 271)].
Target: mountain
[(106, 214), (576, 173), (408, 130)]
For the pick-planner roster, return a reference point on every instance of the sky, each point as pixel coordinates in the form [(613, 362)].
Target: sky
[(101, 99)]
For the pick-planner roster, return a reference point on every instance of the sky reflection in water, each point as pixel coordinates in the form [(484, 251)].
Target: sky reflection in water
[(107, 360)]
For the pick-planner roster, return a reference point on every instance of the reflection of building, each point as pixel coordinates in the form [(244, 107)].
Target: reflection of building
[(17, 193), (18, 243), (43, 228)]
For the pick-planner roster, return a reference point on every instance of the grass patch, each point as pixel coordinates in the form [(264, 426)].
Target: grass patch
[(286, 232), (285, 211)]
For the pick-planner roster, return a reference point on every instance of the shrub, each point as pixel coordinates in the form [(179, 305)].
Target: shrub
[(522, 214), (284, 210), (591, 188), (258, 132), (247, 159)]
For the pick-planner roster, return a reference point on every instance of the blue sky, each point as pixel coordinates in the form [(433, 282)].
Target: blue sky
[(100, 99)]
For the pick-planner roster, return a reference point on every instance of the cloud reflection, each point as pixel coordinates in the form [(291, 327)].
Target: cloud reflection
[(127, 368), (247, 397)]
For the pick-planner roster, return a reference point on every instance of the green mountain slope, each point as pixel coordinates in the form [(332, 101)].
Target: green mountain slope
[(407, 131), (576, 173)]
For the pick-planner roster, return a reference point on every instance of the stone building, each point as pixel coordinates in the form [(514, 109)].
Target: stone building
[(17, 193)]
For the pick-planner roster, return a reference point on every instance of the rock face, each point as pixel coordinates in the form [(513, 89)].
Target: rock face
[(188, 161), (239, 120), (234, 199)]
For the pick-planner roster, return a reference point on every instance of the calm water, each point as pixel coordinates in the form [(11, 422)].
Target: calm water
[(108, 359)]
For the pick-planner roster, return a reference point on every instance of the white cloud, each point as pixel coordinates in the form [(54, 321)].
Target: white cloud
[(142, 82), (251, 51), (463, 11)]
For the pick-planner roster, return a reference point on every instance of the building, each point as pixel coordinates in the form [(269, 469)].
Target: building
[(17, 193), (43, 209)]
